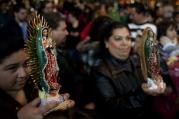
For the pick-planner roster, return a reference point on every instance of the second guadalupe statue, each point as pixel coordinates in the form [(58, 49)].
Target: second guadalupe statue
[(150, 59)]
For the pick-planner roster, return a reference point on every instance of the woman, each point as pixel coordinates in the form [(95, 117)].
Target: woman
[(118, 78), (17, 96)]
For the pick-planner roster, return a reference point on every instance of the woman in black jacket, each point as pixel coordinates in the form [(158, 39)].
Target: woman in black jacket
[(118, 78)]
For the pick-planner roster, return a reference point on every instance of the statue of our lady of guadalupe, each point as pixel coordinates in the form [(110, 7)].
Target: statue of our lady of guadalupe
[(150, 60), (50, 68), (41, 50)]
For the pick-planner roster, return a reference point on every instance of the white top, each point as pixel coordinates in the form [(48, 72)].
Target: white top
[(137, 29)]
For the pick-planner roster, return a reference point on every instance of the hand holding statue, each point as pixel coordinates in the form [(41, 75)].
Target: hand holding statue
[(41, 50), (154, 88), (33, 110)]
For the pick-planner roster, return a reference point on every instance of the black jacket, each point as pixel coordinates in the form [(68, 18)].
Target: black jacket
[(118, 86), (9, 106)]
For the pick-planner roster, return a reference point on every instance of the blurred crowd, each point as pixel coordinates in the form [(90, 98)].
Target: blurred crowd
[(88, 56)]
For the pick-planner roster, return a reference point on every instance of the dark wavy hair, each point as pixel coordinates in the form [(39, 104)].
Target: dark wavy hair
[(139, 7), (108, 32), (98, 26), (164, 25), (42, 5), (53, 19), (9, 43)]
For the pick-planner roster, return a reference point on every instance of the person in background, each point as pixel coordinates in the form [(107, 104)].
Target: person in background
[(159, 12), (71, 79), (89, 48), (4, 9), (46, 6), (168, 39), (176, 19), (139, 20), (20, 16), (168, 11)]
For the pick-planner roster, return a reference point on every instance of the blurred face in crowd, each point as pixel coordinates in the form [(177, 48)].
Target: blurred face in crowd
[(4, 6), (119, 44), (177, 18), (48, 8), (168, 11), (102, 10), (171, 33), (13, 71), (159, 11), (59, 34), (21, 15), (71, 18), (134, 16)]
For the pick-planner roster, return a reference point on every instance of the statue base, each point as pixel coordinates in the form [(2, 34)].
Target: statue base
[(154, 84)]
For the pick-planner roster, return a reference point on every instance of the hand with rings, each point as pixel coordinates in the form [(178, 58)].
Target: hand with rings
[(64, 103)]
